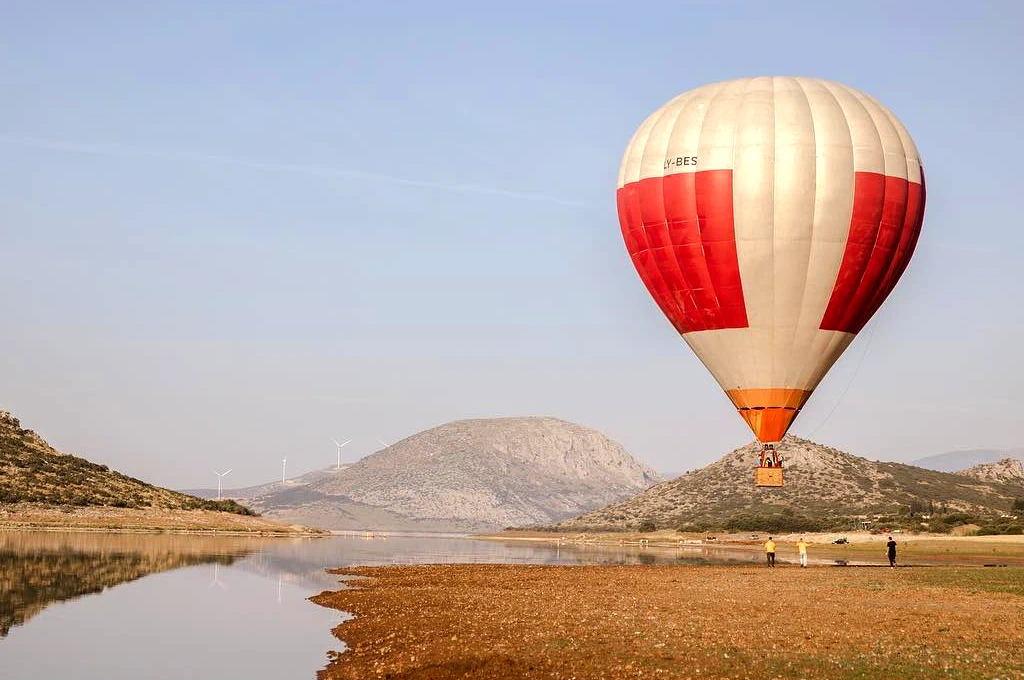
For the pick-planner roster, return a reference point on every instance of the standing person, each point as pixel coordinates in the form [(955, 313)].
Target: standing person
[(891, 551), (802, 547), (769, 549)]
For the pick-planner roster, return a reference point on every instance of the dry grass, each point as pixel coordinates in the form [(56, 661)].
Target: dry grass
[(515, 621)]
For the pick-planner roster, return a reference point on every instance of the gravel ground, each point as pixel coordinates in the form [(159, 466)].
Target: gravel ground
[(542, 621)]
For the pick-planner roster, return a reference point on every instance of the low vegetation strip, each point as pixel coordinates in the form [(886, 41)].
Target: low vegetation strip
[(540, 621)]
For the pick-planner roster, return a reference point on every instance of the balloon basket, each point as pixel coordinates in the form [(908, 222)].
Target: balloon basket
[(768, 476)]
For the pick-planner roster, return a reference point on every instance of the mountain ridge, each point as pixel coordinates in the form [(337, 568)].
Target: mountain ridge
[(467, 475), (956, 461), (821, 482)]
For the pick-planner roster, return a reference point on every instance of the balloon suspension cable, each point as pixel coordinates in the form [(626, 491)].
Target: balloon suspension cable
[(770, 456)]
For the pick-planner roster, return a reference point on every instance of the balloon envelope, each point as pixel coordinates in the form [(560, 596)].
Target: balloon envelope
[(769, 218)]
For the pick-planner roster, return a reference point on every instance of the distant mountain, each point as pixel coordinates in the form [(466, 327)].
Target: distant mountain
[(821, 482), (35, 479), (467, 475), (955, 461), (247, 492)]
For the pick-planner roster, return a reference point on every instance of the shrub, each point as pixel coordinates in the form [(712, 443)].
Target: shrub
[(1000, 527)]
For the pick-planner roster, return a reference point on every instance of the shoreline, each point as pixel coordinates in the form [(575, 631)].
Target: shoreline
[(156, 531), (862, 548), (674, 621), (672, 537), (98, 519)]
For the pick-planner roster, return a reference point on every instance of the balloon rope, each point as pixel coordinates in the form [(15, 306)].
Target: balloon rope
[(860, 362)]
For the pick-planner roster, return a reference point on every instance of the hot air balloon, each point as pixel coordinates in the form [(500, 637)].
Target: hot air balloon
[(770, 218)]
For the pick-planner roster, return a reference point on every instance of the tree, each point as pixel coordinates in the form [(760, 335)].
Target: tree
[(647, 526)]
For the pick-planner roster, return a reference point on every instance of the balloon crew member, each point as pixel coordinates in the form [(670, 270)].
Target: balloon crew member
[(891, 552), (802, 548), (769, 549)]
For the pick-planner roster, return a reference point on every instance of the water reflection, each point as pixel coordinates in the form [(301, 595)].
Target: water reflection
[(305, 561), (75, 605), (39, 569), (228, 607)]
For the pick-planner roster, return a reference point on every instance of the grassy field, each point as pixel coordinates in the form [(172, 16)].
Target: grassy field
[(668, 621)]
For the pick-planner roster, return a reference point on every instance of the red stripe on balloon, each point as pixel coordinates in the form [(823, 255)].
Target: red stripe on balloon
[(680, 233), (887, 216)]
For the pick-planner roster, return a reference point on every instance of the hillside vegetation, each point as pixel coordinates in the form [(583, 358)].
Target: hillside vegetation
[(32, 471), (825, 489)]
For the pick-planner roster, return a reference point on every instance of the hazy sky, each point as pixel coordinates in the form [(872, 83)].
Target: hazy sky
[(232, 230)]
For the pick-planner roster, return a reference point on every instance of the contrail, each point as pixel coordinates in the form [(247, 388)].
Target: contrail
[(315, 170)]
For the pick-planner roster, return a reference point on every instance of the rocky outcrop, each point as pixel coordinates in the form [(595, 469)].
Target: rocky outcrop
[(1007, 470)]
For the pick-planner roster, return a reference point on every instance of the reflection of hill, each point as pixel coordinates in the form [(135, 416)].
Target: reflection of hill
[(39, 569)]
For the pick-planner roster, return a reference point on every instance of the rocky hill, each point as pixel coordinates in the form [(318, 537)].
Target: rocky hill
[(1007, 470), (468, 475), (821, 483), (40, 485)]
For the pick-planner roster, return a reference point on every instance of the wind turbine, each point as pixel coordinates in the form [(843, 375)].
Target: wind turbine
[(339, 449), (284, 463), (220, 478)]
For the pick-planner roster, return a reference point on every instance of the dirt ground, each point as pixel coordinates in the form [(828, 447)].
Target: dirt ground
[(675, 621)]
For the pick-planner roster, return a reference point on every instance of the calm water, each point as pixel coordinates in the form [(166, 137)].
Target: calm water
[(86, 606)]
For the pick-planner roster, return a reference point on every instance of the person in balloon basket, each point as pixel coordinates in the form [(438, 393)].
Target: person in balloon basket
[(890, 549), (802, 549), (769, 549)]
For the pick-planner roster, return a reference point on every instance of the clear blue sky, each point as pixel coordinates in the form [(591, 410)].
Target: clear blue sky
[(232, 230)]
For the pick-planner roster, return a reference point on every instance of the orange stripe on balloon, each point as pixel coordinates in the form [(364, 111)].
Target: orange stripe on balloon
[(769, 411)]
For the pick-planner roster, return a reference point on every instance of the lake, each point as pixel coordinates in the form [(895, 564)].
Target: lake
[(91, 606)]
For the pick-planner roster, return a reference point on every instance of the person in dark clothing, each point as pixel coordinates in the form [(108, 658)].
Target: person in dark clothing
[(891, 550)]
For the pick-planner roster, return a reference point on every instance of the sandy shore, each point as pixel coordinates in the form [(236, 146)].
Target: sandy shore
[(540, 621)]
